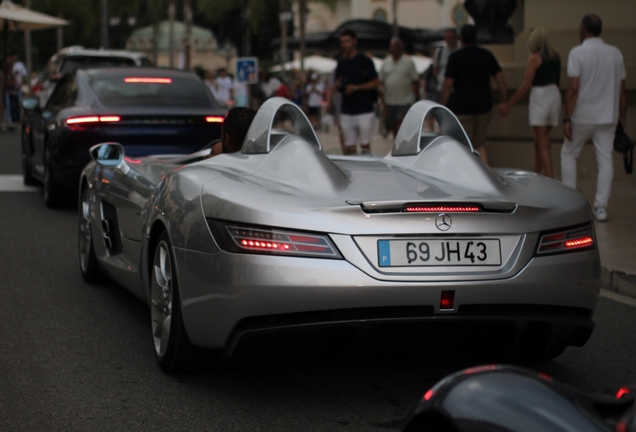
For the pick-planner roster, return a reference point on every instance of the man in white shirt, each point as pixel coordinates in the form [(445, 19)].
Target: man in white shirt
[(400, 85), (594, 103), (224, 86), (314, 90)]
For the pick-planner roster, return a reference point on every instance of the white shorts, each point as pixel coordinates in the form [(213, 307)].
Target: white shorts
[(545, 106), (358, 125)]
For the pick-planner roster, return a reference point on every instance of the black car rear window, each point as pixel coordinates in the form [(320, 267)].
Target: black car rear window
[(136, 90), (71, 64)]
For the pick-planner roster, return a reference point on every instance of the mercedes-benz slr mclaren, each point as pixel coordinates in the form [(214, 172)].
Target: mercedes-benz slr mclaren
[(282, 238)]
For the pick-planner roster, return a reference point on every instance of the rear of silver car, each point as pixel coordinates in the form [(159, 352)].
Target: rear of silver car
[(304, 247), (510, 286)]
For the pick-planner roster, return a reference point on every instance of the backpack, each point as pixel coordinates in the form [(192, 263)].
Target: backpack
[(622, 144)]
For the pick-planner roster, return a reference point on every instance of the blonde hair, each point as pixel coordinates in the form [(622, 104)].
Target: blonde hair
[(538, 43)]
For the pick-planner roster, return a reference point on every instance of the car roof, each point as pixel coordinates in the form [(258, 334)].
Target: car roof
[(137, 72), (81, 51)]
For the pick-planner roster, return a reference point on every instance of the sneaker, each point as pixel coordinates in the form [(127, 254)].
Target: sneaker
[(600, 214)]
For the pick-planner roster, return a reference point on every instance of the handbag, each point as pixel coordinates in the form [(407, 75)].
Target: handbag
[(622, 144)]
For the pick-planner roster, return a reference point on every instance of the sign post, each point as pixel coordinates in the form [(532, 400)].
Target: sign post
[(247, 73)]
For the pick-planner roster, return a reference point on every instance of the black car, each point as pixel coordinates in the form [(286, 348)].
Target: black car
[(148, 111)]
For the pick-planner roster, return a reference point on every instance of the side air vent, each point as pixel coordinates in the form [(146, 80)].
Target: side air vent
[(110, 228)]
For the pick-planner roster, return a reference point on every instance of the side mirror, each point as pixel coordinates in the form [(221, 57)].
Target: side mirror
[(108, 154), (31, 104)]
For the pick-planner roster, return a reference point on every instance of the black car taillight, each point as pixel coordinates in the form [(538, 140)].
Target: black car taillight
[(566, 240), (79, 123), (253, 239)]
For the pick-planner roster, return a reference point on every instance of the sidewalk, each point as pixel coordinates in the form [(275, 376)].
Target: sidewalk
[(616, 237)]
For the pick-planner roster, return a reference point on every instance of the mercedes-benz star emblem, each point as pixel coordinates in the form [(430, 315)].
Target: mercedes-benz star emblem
[(443, 222)]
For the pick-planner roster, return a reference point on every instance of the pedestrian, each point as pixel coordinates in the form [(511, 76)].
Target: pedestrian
[(240, 93), (282, 90), (594, 103), (468, 76), (233, 131), (210, 83), (224, 86), (297, 94), (2, 101), (20, 73), (399, 85), (10, 100), (541, 79), (440, 61), (315, 91), (334, 104), (357, 79)]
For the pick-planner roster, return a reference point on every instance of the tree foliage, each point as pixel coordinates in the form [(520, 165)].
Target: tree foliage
[(226, 18)]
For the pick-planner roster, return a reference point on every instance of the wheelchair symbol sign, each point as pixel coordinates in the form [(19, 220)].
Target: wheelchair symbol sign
[(247, 70)]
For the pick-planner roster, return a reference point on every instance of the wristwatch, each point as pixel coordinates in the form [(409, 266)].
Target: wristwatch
[(567, 120)]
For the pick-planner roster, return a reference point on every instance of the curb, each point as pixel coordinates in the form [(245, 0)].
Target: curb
[(618, 282)]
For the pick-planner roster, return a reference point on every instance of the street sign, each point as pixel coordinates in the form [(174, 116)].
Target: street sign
[(247, 70), (285, 16)]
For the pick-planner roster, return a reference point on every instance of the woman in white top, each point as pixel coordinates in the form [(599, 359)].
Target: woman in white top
[(542, 77)]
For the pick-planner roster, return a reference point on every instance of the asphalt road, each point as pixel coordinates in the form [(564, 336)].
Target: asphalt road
[(79, 357)]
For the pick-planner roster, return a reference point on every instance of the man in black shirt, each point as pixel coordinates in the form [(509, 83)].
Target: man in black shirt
[(357, 80), (468, 76)]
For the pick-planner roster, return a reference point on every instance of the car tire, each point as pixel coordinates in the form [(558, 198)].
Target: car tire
[(53, 192), (27, 177), (89, 267), (173, 350)]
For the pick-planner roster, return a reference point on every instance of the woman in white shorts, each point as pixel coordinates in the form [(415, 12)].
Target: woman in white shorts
[(541, 79)]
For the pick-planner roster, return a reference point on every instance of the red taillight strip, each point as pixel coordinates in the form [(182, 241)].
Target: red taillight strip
[(583, 241), (440, 209), (147, 80), (75, 120), (109, 118), (256, 239), (214, 119), (92, 119), (264, 245), (622, 391)]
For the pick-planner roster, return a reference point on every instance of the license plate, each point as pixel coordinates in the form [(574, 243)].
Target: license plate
[(439, 252)]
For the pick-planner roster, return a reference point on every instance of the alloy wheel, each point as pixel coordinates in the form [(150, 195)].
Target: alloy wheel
[(85, 235), (161, 298)]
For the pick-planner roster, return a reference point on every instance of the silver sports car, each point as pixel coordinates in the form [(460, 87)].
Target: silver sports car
[(282, 238)]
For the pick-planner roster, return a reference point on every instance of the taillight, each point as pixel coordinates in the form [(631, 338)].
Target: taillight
[(622, 392), (241, 238), (567, 240), (214, 119), (147, 80), (76, 123)]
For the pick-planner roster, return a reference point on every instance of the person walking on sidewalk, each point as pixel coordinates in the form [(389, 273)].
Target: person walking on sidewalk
[(442, 54), (357, 79), (542, 77), (594, 103), (468, 75), (400, 85)]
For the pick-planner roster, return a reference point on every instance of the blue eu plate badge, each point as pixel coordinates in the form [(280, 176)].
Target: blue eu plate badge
[(384, 253)]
